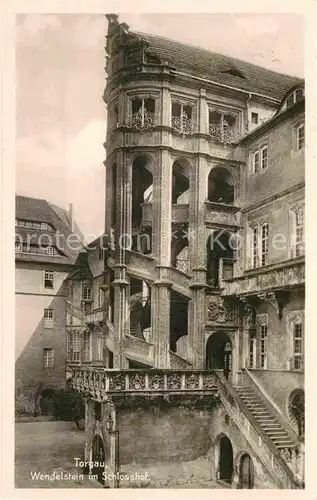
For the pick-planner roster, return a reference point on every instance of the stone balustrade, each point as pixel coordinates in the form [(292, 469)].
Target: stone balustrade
[(222, 214), (102, 383), (273, 278)]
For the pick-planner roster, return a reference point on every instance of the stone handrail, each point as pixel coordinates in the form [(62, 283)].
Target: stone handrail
[(250, 378), (275, 278), (101, 383), (254, 434), (75, 311)]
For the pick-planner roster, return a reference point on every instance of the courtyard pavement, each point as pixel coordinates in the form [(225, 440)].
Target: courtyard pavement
[(50, 447)]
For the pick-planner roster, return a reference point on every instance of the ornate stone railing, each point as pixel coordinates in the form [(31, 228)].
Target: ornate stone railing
[(291, 274), (183, 125), (221, 213), (142, 119), (180, 213), (74, 315), (94, 317), (101, 383), (181, 281), (178, 363), (255, 435), (138, 349), (223, 133)]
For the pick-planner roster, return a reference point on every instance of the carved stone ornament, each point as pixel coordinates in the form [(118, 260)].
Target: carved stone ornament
[(219, 312), (277, 299)]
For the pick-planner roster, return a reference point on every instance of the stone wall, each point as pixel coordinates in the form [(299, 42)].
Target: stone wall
[(163, 445)]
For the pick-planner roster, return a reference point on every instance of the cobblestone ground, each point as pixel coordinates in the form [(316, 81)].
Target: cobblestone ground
[(50, 447)]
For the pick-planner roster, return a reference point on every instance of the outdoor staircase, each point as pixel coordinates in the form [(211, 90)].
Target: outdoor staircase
[(274, 430)]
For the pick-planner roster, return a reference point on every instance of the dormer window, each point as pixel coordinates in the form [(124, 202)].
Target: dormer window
[(143, 113), (296, 96)]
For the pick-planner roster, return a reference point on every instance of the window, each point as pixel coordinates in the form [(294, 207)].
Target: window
[(252, 349), (48, 279), (300, 137), (73, 346), (255, 118), (264, 157), (263, 346), (99, 348), (255, 247), (18, 246), (222, 127), (182, 118), (259, 245), (87, 292), (264, 243), (101, 297), (260, 159), (86, 346), (48, 318), (143, 113), (49, 250), (299, 247), (256, 161), (48, 358), (296, 96), (298, 346), (35, 225)]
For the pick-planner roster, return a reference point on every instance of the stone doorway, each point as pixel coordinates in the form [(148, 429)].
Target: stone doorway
[(219, 353), (98, 455), (225, 466), (246, 478)]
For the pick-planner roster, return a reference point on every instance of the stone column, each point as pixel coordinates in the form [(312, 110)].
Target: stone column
[(197, 262), (122, 244), (161, 231)]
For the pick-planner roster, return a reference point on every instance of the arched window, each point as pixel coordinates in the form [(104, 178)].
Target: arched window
[(296, 410)]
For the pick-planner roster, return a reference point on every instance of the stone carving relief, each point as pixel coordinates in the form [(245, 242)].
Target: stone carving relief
[(220, 311)]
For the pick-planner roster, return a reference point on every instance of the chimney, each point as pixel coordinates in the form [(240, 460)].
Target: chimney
[(71, 216)]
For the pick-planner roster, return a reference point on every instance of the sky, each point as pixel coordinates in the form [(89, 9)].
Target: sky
[(61, 117)]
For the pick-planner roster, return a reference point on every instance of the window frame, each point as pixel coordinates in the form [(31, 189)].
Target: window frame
[(49, 272), (48, 361), (300, 140), (87, 298), (297, 243), (259, 161), (257, 253), (48, 321)]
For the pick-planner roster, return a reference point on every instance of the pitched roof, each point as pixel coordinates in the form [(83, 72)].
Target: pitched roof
[(39, 210), (220, 68)]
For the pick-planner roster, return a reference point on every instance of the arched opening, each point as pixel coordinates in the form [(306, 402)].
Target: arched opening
[(179, 250), (219, 353), (221, 186), (140, 309), (178, 318), (246, 472), (180, 183), (219, 246), (47, 400), (296, 410), (142, 195), (225, 465), (98, 456)]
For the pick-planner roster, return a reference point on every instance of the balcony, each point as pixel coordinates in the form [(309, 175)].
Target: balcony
[(94, 317), (271, 278), (103, 383), (180, 213), (222, 214)]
